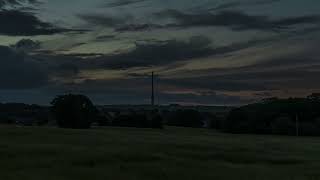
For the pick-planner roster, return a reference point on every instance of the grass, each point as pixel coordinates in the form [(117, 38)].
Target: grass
[(146, 154)]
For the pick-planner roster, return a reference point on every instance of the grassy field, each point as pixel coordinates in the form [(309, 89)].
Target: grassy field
[(145, 154)]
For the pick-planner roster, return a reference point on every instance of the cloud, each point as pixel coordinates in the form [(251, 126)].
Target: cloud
[(145, 54), (26, 45), (151, 53), (217, 86), (18, 71), (104, 38), (155, 53), (209, 98), (216, 83), (103, 20), (118, 23), (66, 70), (235, 20), (137, 90), (4, 3), (234, 4), (173, 18), (291, 70), (18, 18), (138, 27), (119, 3), (19, 23), (313, 19), (197, 69)]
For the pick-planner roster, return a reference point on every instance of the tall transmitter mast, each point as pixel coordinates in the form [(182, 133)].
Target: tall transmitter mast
[(152, 91)]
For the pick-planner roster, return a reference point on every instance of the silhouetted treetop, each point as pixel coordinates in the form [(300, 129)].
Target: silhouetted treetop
[(74, 111)]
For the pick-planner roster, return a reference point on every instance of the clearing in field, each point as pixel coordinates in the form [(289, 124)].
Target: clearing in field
[(147, 154)]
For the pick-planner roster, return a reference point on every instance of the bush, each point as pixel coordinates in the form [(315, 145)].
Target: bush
[(237, 122), (157, 121), (185, 118), (74, 111), (284, 126), (130, 120), (215, 122), (309, 129), (139, 120), (103, 121)]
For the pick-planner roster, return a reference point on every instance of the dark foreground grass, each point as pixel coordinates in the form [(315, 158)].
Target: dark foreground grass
[(145, 154)]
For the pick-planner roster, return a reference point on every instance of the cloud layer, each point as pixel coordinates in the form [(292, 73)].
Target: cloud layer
[(204, 52), (236, 20), (18, 71)]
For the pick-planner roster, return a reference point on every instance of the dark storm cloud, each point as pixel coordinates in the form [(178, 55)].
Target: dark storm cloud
[(247, 81), (103, 20), (17, 2), (66, 70), (104, 38), (19, 20), (138, 27), (26, 45), (119, 3), (67, 66), (209, 98), (275, 74), (19, 23), (18, 71), (235, 20), (278, 79), (145, 54), (171, 53), (235, 4), (137, 91), (279, 71), (158, 53), (226, 6), (214, 83), (112, 91), (149, 53), (298, 20)]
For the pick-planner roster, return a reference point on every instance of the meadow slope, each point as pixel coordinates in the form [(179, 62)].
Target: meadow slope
[(147, 154)]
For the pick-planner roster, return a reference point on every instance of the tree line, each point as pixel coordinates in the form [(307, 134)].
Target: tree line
[(292, 116), (77, 111)]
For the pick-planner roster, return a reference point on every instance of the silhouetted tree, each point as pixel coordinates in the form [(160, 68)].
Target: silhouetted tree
[(73, 111), (156, 121), (292, 116)]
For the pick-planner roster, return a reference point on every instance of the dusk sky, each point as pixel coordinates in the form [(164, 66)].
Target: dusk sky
[(204, 52)]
